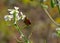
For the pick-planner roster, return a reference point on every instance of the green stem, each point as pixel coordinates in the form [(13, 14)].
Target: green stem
[(20, 32)]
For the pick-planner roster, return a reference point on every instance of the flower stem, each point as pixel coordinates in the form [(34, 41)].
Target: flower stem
[(20, 32)]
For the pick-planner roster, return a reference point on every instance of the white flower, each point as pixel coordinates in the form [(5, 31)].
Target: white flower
[(57, 28), (14, 15), (22, 16), (8, 17), (10, 9), (14, 10)]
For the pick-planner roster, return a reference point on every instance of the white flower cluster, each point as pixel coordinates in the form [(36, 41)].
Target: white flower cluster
[(14, 14)]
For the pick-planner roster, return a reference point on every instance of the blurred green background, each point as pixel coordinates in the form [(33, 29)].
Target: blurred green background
[(41, 30)]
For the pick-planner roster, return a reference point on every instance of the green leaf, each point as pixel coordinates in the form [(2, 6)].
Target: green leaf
[(52, 3), (58, 8)]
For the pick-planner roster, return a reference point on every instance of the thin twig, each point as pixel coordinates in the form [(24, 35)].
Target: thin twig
[(48, 14)]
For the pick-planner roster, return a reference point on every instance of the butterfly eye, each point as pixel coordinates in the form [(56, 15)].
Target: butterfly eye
[(27, 21)]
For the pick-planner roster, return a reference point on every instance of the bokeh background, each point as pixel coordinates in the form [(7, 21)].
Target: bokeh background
[(41, 30)]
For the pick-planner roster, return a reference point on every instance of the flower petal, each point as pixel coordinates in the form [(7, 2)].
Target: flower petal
[(21, 13), (23, 16), (18, 18), (10, 9), (16, 8), (8, 17), (11, 12)]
